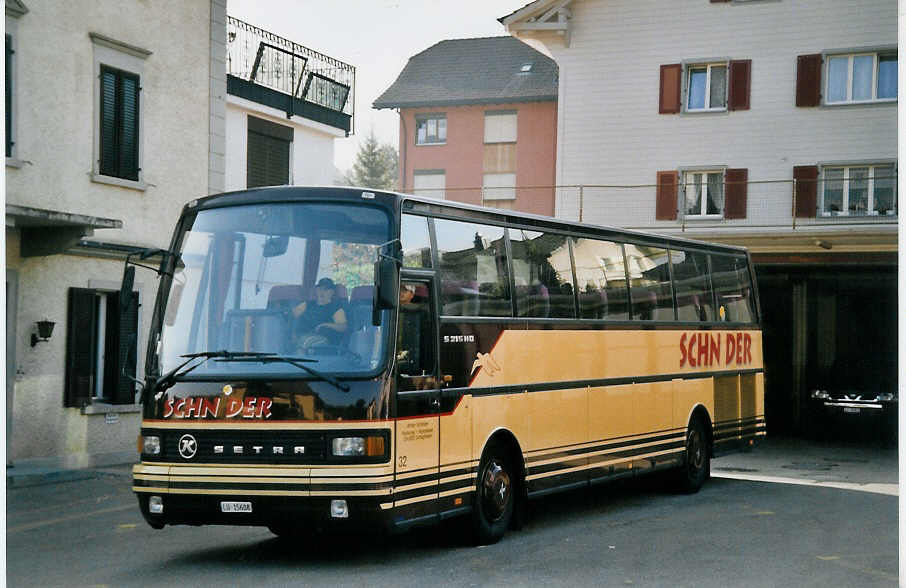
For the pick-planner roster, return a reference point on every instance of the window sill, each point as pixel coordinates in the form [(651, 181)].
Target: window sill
[(704, 217), (14, 162), (711, 111), (885, 102), (112, 181), (429, 144), (105, 408)]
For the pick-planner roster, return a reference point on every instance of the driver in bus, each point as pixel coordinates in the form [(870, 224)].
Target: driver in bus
[(324, 316)]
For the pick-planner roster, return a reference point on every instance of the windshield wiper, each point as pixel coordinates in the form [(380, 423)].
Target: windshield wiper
[(168, 379), (299, 362)]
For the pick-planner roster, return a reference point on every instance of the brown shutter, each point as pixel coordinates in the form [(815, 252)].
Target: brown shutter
[(671, 81), (805, 190), (740, 84), (735, 191), (808, 80), (667, 182), (80, 352)]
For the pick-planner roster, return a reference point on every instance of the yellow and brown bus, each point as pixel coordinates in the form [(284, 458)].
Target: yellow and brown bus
[(324, 357)]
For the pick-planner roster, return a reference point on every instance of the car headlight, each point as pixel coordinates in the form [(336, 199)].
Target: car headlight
[(887, 397), (371, 446), (149, 444), (820, 395)]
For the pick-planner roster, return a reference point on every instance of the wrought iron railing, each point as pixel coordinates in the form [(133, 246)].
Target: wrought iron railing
[(264, 58)]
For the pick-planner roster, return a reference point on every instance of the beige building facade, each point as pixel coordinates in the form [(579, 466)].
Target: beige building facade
[(116, 118)]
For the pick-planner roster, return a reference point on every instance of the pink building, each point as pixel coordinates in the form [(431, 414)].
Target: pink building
[(478, 123)]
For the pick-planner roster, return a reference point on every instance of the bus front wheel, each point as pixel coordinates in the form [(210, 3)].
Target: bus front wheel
[(495, 495), (696, 466)]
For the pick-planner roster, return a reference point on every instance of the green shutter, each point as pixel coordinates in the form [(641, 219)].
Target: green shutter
[(9, 96), (121, 349), (80, 347), (119, 124)]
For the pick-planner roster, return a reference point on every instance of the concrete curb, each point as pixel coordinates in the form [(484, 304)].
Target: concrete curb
[(23, 477)]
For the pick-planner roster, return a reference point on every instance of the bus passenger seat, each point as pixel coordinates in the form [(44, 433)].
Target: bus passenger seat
[(285, 297)]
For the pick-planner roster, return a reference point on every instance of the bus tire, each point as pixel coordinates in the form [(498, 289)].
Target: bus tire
[(696, 466), (495, 495)]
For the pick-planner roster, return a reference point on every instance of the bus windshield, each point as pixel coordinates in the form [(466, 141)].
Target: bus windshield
[(295, 280)]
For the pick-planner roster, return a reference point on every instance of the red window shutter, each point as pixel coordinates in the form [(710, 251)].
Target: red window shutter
[(740, 84), (808, 80), (667, 182), (671, 81), (735, 192), (805, 190)]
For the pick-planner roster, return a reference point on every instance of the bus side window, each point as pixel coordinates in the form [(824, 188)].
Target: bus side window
[(691, 279), (733, 288), (415, 241), (472, 264), (649, 286)]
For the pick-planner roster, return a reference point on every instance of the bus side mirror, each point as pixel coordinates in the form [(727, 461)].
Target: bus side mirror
[(385, 288), (126, 288)]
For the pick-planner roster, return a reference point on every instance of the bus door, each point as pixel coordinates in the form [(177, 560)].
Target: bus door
[(418, 399)]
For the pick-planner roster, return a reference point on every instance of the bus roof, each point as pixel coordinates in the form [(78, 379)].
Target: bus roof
[(448, 208)]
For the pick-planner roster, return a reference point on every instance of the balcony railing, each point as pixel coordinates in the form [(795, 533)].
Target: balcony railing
[(263, 58)]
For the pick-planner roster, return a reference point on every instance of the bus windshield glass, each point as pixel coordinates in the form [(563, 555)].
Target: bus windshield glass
[(294, 280)]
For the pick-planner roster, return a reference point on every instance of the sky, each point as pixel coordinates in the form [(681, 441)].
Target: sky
[(377, 37)]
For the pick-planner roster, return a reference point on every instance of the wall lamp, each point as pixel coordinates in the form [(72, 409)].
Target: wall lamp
[(45, 330)]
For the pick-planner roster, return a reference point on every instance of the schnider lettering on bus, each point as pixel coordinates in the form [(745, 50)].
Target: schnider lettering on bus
[(201, 407), (703, 349)]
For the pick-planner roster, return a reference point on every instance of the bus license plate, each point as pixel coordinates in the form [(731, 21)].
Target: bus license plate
[(235, 507), (851, 410)]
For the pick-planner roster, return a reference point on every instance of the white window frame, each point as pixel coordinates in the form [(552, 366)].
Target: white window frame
[(844, 205), (424, 118), (685, 176), (849, 76), (440, 193), (687, 84), (131, 59)]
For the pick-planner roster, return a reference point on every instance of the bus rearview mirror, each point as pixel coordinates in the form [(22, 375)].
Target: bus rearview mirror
[(385, 288)]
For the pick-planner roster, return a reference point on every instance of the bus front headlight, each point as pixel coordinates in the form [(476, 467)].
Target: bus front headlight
[(372, 446), (150, 445)]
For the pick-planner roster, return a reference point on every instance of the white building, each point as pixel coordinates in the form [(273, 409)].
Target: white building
[(285, 106), (770, 124), (115, 119)]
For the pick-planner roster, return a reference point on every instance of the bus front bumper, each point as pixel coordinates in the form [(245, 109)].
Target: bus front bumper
[(284, 497)]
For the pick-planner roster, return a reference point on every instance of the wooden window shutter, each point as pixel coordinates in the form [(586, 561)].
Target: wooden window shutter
[(808, 80), (740, 84), (9, 96), (671, 82), (805, 186), (736, 192), (667, 183), (267, 155), (119, 133), (121, 342), (80, 343)]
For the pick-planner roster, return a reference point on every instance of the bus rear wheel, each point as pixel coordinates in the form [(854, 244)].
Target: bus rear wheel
[(696, 468), (495, 496)]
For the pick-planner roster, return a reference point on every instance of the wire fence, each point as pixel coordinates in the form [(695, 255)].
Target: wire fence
[(787, 203)]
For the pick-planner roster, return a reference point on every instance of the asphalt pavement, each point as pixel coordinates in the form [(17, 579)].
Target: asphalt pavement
[(788, 513)]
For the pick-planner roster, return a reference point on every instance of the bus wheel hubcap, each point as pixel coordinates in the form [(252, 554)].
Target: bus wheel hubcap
[(495, 491), (696, 451)]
